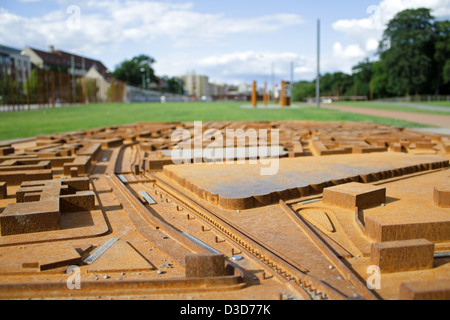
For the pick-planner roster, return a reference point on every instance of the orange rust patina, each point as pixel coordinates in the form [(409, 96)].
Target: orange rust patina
[(351, 211)]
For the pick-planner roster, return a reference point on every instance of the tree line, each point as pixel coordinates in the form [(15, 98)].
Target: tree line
[(413, 58), (139, 72)]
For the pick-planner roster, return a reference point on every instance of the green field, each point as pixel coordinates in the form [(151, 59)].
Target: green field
[(399, 107), (48, 121)]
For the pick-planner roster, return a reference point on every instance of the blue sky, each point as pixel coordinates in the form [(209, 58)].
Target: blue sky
[(230, 41)]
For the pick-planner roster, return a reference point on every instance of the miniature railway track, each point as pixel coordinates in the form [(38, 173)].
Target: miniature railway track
[(340, 266), (281, 265)]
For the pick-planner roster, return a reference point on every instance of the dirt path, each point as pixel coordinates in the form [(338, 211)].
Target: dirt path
[(430, 119)]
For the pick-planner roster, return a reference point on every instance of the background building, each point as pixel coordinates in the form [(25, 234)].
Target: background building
[(60, 61), (96, 77), (197, 86), (219, 91), (12, 62)]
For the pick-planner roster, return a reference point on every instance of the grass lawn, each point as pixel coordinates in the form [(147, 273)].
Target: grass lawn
[(48, 121), (397, 107)]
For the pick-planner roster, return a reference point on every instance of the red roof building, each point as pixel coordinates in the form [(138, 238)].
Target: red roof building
[(65, 62)]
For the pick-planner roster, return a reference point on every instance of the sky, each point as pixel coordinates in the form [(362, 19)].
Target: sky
[(232, 41)]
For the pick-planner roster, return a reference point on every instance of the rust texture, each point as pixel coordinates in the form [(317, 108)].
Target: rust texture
[(404, 255), (126, 214)]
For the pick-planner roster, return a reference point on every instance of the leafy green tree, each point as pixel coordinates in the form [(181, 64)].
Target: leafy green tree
[(362, 76), (303, 90), (442, 52), (336, 84), (132, 71), (447, 72), (175, 85), (407, 51), (379, 80)]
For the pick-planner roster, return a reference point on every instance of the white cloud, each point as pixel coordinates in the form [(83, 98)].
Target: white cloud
[(372, 44), (352, 51), (342, 58), (367, 32), (104, 22), (244, 66)]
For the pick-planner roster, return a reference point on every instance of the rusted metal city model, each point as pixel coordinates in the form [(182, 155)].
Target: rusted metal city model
[(352, 211)]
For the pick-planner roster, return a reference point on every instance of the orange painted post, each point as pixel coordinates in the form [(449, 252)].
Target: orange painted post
[(285, 99), (254, 95), (266, 97)]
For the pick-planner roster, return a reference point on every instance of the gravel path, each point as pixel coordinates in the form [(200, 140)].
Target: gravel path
[(441, 121), (422, 106)]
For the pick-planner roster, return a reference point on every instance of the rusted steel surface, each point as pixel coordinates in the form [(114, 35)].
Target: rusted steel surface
[(290, 210)]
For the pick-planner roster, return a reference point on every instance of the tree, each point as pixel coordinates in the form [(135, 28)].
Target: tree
[(447, 72), (303, 90), (442, 52), (407, 51), (362, 76), (175, 85), (135, 70), (336, 84), (379, 80)]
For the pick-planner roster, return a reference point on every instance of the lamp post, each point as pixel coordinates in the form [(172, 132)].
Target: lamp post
[(143, 78), (318, 66), (292, 83)]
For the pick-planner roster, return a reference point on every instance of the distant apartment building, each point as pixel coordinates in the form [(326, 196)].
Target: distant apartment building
[(12, 62), (197, 86)]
